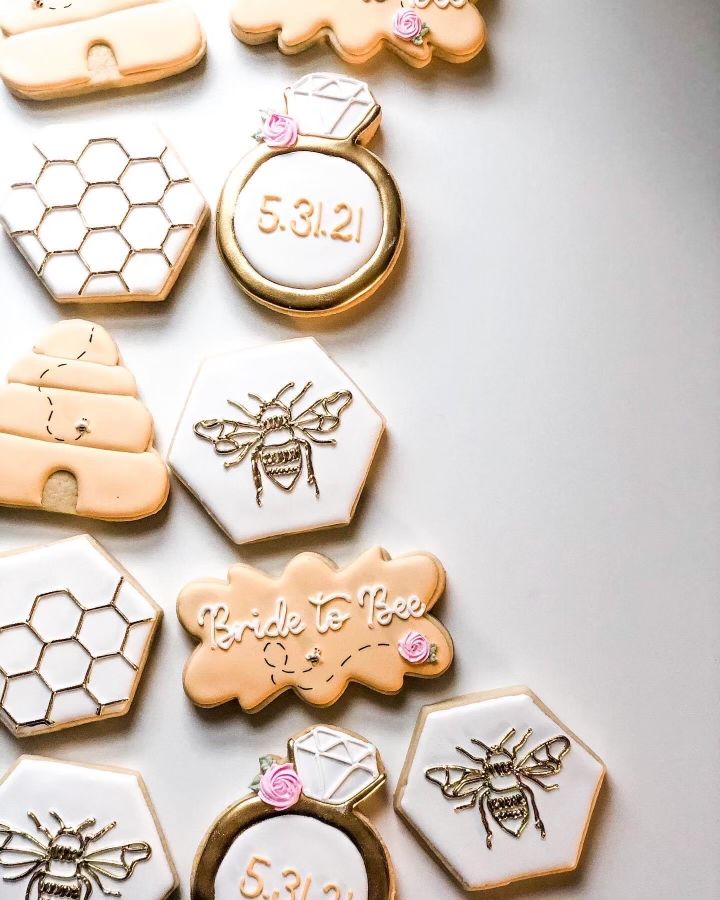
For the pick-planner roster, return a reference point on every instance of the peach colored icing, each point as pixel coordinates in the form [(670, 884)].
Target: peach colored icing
[(48, 50), (315, 629), (359, 28), (71, 407)]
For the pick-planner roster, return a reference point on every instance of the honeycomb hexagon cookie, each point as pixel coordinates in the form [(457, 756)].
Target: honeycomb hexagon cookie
[(71, 830), (275, 440), (498, 789), (104, 213), (75, 633)]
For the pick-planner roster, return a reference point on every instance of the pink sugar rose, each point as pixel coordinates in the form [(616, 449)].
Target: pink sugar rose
[(416, 648), (408, 26), (280, 787), (279, 131)]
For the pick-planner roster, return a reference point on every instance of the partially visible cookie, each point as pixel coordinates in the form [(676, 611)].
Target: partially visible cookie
[(358, 29), (104, 213), (74, 437), (75, 831), (75, 633), (61, 49)]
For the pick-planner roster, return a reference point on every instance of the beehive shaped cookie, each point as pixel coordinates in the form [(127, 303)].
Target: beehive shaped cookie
[(61, 48), (358, 29), (74, 438)]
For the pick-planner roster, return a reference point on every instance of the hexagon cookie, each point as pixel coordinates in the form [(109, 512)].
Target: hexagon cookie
[(71, 830), (498, 789), (275, 440), (75, 633), (104, 213)]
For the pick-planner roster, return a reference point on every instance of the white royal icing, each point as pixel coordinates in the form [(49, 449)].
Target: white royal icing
[(333, 765), (309, 847), (229, 494), (318, 259), (459, 837), (74, 633), (77, 793), (102, 212), (329, 105), (442, 4)]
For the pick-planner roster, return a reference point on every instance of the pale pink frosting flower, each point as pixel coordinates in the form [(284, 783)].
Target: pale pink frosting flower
[(407, 25), (279, 131), (280, 787), (415, 648)]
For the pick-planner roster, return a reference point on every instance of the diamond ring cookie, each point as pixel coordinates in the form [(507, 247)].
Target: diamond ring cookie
[(103, 214), (299, 833), (74, 438), (76, 831), (75, 633), (55, 49), (453, 30), (311, 222), (275, 440), (498, 789), (315, 629)]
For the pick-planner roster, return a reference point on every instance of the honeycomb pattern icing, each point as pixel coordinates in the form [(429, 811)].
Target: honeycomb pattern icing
[(74, 636), (103, 215)]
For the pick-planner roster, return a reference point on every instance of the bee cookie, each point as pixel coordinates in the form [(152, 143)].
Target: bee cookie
[(74, 438), (275, 440), (358, 29), (103, 214), (76, 831), (61, 49), (75, 633), (498, 789), (299, 833), (314, 629), (310, 222)]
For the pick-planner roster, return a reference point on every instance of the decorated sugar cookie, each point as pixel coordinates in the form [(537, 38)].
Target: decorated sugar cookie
[(74, 437), (275, 439), (310, 222), (75, 633), (498, 789), (103, 213), (76, 831), (358, 29), (62, 48), (314, 629), (299, 833)]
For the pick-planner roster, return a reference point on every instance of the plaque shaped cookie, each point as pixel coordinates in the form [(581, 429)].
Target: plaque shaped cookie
[(74, 438), (310, 222), (75, 633), (358, 29), (55, 49), (498, 789), (299, 833), (103, 214), (275, 440), (315, 629), (71, 830)]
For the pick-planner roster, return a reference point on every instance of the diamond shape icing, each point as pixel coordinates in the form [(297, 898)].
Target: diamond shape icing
[(498, 789), (75, 633), (275, 439), (93, 217), (106, 812), (335, 766)]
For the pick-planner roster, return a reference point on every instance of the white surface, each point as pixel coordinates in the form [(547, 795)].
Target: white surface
[(306, 845), (546, 353), (334, 766)]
